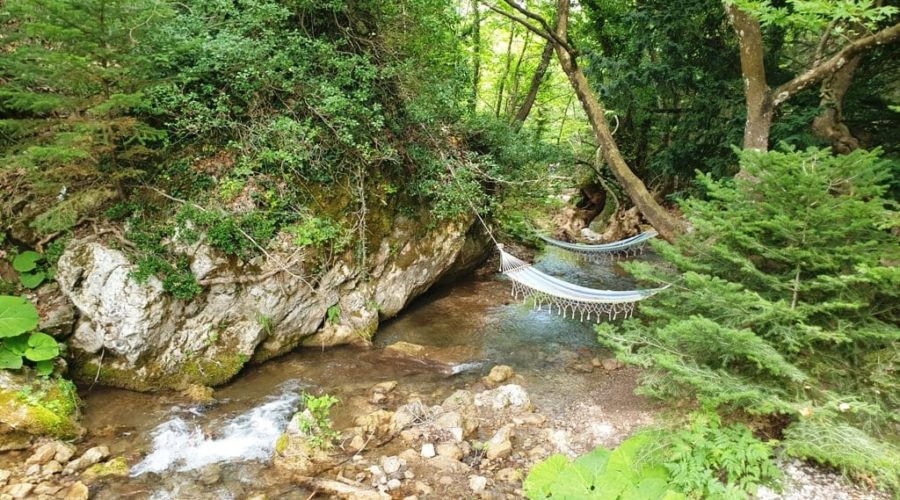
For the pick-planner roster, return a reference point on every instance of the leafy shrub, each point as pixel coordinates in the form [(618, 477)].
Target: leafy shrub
[(317, 423), (709, 460), (784, 303), (18, 341), (31, 272), (319, 231), (602, 474)]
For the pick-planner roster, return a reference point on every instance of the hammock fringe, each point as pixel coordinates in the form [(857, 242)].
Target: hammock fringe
[(569, 299)]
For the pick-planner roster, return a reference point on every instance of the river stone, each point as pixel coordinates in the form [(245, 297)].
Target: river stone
[(4, 476), (53, 412), (77, 491), (449, 450), (150, 340), (611, 364), (510, 396), (52, 467), (500, 446), (378, 423), (87, 459), (500, 374), (428, 450), (391, 465), (64, 452), (477, 483), (20, 490), (42, 454), (47, 489)]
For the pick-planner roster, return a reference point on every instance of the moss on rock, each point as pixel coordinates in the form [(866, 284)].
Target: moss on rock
[(32, 407), (116, 467), (198, 371)]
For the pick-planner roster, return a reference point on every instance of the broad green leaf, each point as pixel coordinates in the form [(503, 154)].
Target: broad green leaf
[(648, 489), (44, 367), (41, 347), (17, 316), (611, 484), (672, 495), (16, 345), (26, 261), (543, 475), (9, 360), (575, 481), (595, 460), (32, 280)]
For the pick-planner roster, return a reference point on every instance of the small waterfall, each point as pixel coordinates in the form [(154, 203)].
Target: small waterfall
[(182, 444)]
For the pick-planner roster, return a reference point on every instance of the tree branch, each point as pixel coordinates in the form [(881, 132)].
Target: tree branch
[(821, 71)]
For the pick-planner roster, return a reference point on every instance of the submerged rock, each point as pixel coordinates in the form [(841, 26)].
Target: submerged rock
[(147, 339), (500, 374)]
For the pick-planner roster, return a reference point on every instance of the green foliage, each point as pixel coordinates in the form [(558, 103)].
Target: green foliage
[(334, 314), (784, 302), (319, 231), (602, 474), (317, 423), (26, 264), (709, 460), (17, 318), (72, 79)]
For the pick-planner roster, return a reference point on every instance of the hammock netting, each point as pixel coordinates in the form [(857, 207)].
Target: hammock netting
[(604, 252), (568, 298)]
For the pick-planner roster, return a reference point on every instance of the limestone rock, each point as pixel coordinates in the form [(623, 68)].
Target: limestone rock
[(87, 459), (77, 491), (392, 464), (20, 490), (379, 423), (449, 450), (506, 397), (477, 483), (145, 333), (52, 467), (500, 445), (428, 450), (42, 454), (500, 374)]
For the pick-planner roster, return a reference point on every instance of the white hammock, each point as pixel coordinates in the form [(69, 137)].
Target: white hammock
[(567, 297), (604, 252)]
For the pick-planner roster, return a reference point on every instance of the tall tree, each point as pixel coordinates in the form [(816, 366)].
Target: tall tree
[(476, 52), (667, 225), (536, 80), (762, 101)]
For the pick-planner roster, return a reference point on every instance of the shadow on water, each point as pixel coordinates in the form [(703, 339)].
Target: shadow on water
[(476, 324)]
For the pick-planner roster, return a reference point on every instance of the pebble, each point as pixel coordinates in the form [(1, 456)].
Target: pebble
[(428, 450), (89, 458), (33, 470), (64, 452), (611, 364), (423, 488), (385, 387), (393, 484), (477, 483), (500, 446), (47, 489), (77, 491), (391, 464), (52, 467), (42, 455), (449, 450)]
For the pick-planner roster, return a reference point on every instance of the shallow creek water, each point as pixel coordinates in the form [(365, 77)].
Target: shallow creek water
[(182, 450)]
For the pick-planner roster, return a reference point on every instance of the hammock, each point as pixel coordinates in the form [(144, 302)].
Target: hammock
[(567, 297), (601, 253)]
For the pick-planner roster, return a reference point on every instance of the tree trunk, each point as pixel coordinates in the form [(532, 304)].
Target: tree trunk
[(476, 53), (536, 81), (756, 91), (667, 226), (517, 72), (505, 74), (829, 124)]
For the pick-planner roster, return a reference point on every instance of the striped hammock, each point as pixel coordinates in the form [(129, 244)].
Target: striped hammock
[(602, 253), (528, 282)]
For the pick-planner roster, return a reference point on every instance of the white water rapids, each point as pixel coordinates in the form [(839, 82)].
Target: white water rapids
[(180, 444)]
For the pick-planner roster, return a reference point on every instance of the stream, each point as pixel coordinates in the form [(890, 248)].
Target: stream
[(183, 450)]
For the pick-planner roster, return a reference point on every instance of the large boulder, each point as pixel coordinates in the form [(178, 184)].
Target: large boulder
[(137, 336)]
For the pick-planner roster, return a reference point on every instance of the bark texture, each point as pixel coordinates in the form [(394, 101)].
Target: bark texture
[(536, 80)]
